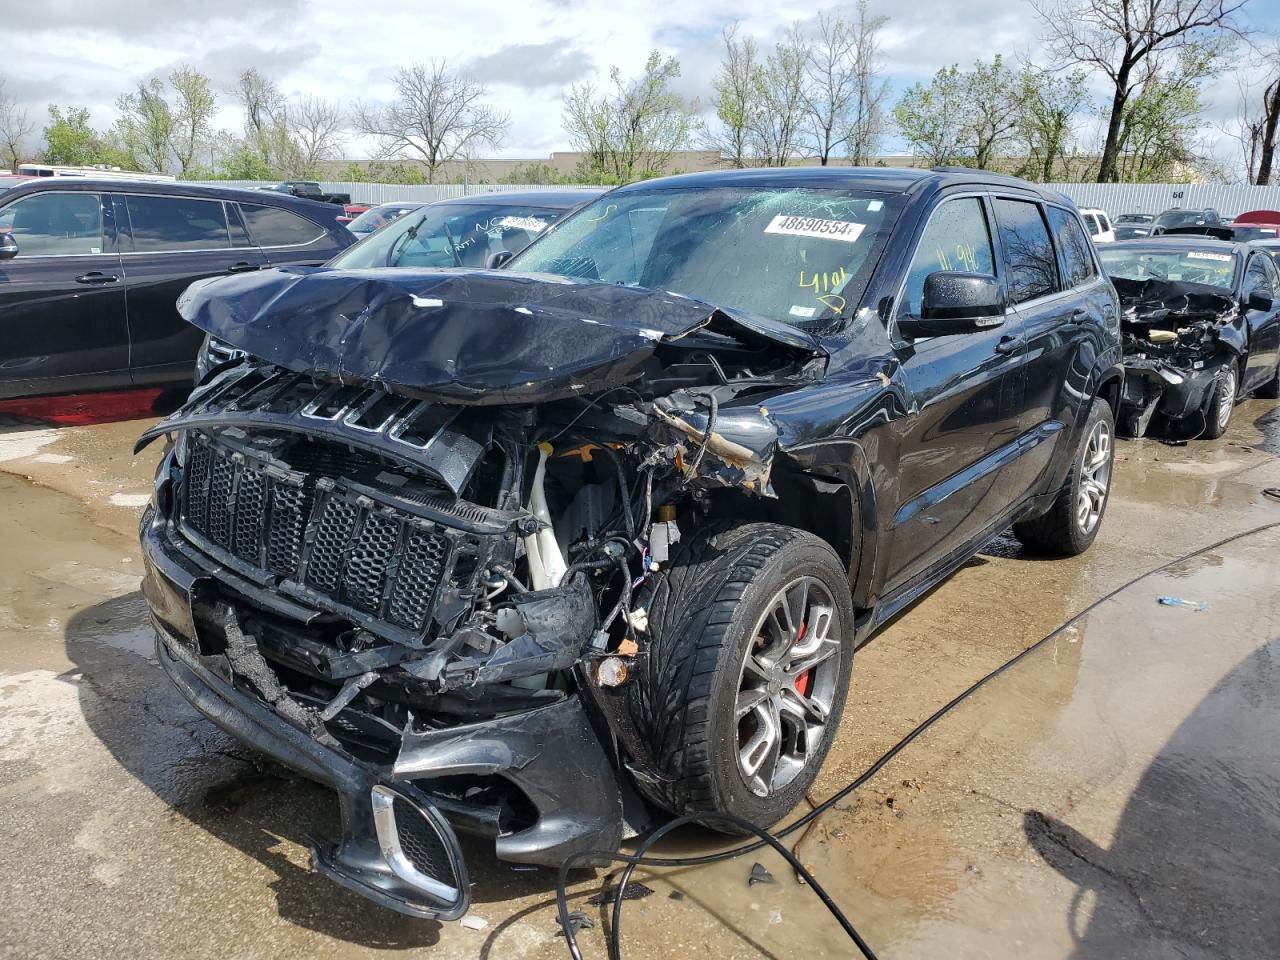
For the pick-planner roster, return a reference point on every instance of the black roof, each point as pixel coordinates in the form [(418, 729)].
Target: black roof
[(551, 199), (876, 179), (312, 209)]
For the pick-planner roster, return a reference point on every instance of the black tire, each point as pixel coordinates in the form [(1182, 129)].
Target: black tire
[(1061, 531), (1271, 389), (1225, 394), (704, 612)]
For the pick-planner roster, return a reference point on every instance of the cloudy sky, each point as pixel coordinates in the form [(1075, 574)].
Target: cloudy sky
[(87, 52)]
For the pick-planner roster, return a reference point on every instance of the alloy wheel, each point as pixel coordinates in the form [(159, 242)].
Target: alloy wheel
[(1226, 395), (788, 685), (1095, 477)]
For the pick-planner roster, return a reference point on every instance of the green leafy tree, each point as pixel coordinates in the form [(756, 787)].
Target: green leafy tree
[(932, 117), (631, 131), (736, 86), (68, 138), (1048, 104)]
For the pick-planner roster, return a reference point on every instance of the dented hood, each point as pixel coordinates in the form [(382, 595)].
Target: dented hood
[(463, 336), (1156, 301)]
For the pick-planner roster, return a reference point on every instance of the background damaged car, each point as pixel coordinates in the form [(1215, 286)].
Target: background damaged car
[(1201, 329), (533, 553)]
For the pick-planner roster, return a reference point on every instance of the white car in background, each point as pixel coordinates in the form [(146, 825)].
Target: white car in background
[(1099, 225)]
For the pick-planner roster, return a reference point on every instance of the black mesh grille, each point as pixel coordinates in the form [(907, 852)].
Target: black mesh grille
[(331, 535), (366, 557), (421, 844), (421, 569), (366, 573)]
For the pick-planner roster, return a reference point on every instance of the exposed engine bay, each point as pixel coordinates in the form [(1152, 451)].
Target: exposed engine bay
[(385, 562), (1178, 336)]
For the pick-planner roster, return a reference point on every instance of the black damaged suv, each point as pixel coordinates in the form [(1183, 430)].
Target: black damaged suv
[(538, 552)]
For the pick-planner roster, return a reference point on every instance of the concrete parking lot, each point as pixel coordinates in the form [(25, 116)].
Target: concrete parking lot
[(1113, 795)]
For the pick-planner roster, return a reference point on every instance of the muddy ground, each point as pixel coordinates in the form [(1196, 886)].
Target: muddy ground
[(1115, 794)]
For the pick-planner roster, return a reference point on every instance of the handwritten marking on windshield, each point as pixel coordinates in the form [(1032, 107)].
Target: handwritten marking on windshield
[(609, 208)]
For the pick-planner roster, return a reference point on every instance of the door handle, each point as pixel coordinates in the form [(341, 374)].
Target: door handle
[(1008, 345), (244, 266), (97, 278), (1079, 316)]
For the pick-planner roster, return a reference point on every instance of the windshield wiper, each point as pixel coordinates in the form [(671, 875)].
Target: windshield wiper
[(453, 247), (404, 238)]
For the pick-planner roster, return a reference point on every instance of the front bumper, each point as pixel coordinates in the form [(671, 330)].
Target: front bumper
[(1179, 395), (553, 754)]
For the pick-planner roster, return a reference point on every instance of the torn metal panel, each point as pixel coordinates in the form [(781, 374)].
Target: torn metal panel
[(466, 337)]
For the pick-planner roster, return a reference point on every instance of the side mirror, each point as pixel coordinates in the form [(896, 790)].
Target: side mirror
[(8, 246), (495, 260), (1259, 301), (956, 303)]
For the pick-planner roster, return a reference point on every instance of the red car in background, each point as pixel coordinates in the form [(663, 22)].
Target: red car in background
[(1256, 225)]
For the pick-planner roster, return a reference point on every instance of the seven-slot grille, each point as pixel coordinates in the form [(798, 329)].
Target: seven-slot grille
[(305, 529)]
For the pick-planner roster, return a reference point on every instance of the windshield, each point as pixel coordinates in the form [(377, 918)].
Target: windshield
[(794, 254), (449, 235), (1134, 218), (376, 217), (1180, 218), (1190, 266)]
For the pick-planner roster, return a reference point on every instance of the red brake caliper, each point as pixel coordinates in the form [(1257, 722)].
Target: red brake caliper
[(805, 679)]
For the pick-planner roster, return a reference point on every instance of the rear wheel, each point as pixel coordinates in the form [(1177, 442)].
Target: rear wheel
[(1071, 524), (745, 678), (1218, 416)]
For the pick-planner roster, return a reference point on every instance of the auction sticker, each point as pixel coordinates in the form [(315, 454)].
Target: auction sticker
[(1220, 257), (815, 227)]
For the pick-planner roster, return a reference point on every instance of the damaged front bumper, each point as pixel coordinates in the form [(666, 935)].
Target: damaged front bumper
[(398, 845)]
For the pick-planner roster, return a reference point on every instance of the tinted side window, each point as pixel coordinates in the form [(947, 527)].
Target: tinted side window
[(176, 223), (274, 227), (1077, 257), (955, 239), (1033, 269), (55, 224)]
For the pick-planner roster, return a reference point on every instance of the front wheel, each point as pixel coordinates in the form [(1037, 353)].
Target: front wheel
[(745, 677), (1224, 401), (1071, 524)]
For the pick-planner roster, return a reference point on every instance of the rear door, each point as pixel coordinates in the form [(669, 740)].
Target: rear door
[(1059, 308), (963, 389), (62, 299), (167, 242)]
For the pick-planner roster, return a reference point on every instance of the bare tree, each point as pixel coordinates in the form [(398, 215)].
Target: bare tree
[(632, 130), (16, 126), (776, 133), (315, 131), (736, 87), (831, 88), (1118, 38), (873, 90), (437, 117)]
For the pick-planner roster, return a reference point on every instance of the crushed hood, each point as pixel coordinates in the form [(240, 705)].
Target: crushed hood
[(461, 336), (1158, 301)]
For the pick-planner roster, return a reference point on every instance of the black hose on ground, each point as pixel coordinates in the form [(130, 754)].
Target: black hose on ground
[(774, 839)]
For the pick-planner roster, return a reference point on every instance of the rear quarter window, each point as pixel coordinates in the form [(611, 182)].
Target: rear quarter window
[(277, 227), (1028, 252)]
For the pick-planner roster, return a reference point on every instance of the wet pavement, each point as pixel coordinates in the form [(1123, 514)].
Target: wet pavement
[(1115, 794)]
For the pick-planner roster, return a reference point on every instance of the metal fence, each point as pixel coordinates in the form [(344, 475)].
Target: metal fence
[(1115, 198)]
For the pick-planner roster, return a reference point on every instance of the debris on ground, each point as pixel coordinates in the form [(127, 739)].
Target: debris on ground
[(759, 875), (1179, 602), (635, 890), (675, 895), (473, 922), (579, 921)]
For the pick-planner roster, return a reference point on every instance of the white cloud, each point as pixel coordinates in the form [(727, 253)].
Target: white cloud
[(72, 52)]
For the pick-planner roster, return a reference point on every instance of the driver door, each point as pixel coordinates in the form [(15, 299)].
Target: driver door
[(964, 391), (1264, 325)]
